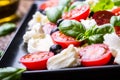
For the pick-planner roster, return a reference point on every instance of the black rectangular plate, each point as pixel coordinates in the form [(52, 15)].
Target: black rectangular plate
[(17, 49)]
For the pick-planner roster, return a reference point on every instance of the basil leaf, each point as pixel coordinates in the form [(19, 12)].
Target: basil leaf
[(76, 4), (102, 5), (97, 38), (1, 53), (115, 20), (103, 29), (71, 28), (116, 2), (65, 3), (95, 34), (7, 28), (54, 13), (81, 37), (10, 73)]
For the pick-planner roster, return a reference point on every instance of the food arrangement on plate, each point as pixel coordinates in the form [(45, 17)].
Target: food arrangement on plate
[(68, 33)]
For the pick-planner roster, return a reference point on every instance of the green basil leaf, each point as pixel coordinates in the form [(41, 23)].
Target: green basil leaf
[(54, 13), (10, 73), (103, 29), (76, 4), (115, 20), (97, 38), (66, 3), (1, 52), (71, 28), (7, 28), (102, 5), (116, 2), (96, 33), (81, 37)]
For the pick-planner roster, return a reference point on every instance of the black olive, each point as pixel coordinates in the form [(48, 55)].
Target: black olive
[(59, 21), (54, 30), (91, 14), (42, 11), (56, 49)]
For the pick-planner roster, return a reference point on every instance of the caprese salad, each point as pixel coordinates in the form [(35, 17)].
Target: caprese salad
[(70, 33)]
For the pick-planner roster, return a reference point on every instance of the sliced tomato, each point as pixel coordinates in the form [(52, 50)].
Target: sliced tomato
[(116, 11), (48, 3), (48, 27), (79, 13), (102, 17), (63, 40), (117, 30), (37, 60), (95, 55)]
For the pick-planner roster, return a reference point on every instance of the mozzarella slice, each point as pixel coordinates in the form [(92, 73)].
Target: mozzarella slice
[(40, 44), (67, 58)]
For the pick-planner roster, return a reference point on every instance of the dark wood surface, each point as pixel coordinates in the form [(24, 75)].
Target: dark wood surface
[(23, 8)]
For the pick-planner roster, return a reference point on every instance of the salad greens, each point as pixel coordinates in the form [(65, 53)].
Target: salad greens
[(77, 30), (10, 73), (65, 3), (76, 4), (1, 52), (116, 2), (55, 13), (115, 20), (71, 27), (102, 5)]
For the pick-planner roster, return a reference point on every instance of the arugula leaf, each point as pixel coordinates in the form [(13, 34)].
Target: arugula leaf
[(115, 20), (102, 5), (54, 13), (10, 73), (71, 27)]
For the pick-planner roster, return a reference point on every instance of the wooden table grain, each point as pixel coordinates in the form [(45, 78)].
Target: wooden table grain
[(23, 8)]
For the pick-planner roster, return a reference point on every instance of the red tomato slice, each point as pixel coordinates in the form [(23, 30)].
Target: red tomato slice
[(48, 27), (49, 3), (117, 30), (102, 17), (95, 55), (63, 40), (78, 13), (37, 60), (116, 11)]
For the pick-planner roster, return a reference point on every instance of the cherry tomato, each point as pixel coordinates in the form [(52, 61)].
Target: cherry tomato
[(117, 30), (47, 4), (102, 17), (116, 11), (63, 40), (79, 13), (37, 60), (48, 27), (95, 55)]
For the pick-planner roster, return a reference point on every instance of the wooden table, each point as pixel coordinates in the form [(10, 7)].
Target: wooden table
[(23, 8)]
